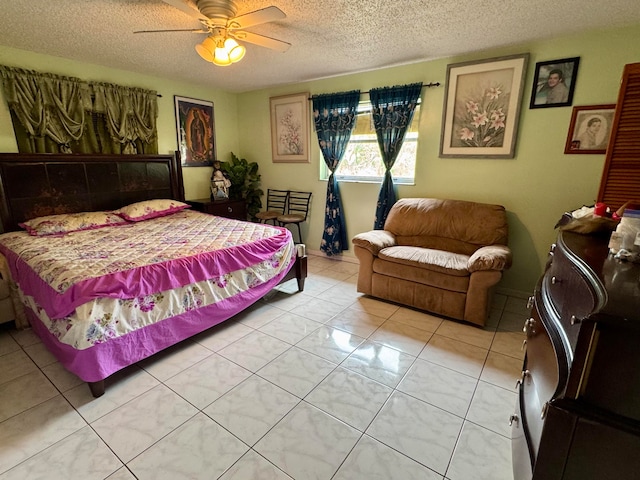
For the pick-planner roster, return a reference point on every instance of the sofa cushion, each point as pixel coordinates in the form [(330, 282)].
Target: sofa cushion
[(492, 257), (374, 240), (453, 225), (398, 272), (428, 259)]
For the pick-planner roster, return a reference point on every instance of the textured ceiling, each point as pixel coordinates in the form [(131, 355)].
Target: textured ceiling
[(328, 38)]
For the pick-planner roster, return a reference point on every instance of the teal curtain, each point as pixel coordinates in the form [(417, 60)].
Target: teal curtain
[(334, 118), (392, 112)]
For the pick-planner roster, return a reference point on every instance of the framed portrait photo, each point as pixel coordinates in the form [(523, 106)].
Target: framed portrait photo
[(290, 128), (590, 129), (482, 107), (554, 83), (195, 127)]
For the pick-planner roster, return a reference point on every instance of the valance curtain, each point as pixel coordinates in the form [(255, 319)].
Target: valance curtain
[(130, 114), (56, 114), (392, 112), (334, 118)]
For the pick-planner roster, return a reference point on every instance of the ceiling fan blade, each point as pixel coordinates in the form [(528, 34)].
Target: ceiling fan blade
[(264, 15), (192, 30), (261, 40), (187, 6)]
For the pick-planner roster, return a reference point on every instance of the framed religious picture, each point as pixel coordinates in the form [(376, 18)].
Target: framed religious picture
[(482, 107), (196, 131), (290, 128), (590, 129), (554, 83)]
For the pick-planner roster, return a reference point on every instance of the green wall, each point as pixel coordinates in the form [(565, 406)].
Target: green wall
[(536, 187)]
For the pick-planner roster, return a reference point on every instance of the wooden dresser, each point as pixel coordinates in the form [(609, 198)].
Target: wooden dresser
[(578, 410), (236, 209)]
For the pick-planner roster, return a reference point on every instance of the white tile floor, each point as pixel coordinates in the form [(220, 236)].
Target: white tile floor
[(324, 384)]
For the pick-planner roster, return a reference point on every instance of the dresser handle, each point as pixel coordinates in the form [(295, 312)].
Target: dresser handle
[(229, 209), (513, 418), (575, 320), (520, 381), (555, 280), (528, 326), (545, 408), (553, 247), (524, 344), (530, 302)]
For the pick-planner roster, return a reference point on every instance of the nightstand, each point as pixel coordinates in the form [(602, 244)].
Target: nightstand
[(236, 209)]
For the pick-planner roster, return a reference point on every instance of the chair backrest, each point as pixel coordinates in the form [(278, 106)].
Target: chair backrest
[(277, 200), (299, 203)]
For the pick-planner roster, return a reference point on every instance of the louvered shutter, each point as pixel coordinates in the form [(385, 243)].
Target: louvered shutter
[(621, 175)]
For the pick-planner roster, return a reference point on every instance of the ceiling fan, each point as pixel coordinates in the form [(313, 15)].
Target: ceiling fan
[(219, 21)]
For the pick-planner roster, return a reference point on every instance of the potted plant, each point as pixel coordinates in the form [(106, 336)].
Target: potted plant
[(245, 183)]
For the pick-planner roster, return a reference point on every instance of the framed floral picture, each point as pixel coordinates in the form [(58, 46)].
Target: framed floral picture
[(290, 128), (554, 83), (590, 129), (482, 107), (196, 132)]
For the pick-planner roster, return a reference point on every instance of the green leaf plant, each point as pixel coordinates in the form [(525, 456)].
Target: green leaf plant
[(245, 183)]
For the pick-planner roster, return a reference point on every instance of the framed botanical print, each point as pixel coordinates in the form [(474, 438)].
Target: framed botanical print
[(290, 128), (196, 131), (482, 107)]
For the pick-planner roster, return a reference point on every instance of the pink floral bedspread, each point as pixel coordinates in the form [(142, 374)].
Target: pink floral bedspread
[(144, 271)]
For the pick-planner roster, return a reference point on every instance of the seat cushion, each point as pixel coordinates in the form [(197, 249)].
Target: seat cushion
[(268, 215), (435, 260), (414, 264), (291, 218)]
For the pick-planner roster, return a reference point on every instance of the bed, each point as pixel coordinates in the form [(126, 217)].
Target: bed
[(126, 269)]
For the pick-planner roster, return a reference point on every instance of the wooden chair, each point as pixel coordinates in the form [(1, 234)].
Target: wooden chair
[(297, 210), (276, 205)]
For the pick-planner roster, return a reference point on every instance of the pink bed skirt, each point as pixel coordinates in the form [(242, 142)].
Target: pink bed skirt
[(98, 362)]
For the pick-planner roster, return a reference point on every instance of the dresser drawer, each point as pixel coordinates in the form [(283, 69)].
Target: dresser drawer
[(579, 301), (231, 209), (553, 279), (571, 294), (541, 378), (236, 209), (522, 457)]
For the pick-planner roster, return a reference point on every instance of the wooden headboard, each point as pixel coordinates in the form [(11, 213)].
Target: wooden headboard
[(33, 185)]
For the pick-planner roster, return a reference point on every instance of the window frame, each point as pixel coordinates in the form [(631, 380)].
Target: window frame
[(364, 109)]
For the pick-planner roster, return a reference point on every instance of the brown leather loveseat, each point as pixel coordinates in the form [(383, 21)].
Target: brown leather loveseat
[(442, 256)]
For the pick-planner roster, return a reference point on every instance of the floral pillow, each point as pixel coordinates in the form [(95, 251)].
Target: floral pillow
[(150, 209), (70, 222)]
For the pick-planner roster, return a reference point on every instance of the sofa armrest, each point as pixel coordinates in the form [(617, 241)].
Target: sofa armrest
[(492, 257), (375, 240)]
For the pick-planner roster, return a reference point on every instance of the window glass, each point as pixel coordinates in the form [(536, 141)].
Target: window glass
[(362, 161)]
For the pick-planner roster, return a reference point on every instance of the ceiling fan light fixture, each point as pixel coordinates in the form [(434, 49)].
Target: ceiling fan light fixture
[(235, 51), (221, 57), (206, 49)]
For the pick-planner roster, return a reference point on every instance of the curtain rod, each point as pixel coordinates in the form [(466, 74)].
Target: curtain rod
[(424, 85)]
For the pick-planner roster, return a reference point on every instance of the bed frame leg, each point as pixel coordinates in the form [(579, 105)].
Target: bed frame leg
[(97, 388), (301, 272)]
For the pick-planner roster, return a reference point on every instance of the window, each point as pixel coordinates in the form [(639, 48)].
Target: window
[(362, 161)]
